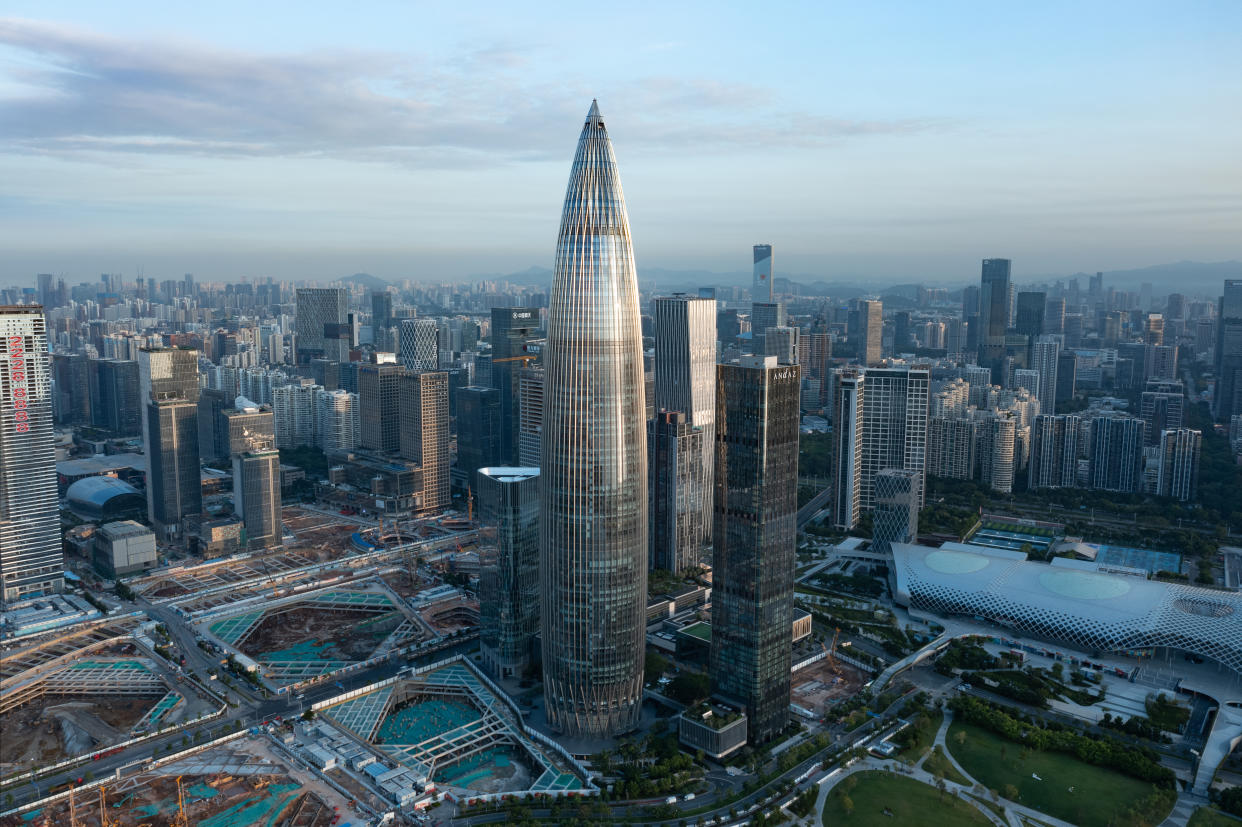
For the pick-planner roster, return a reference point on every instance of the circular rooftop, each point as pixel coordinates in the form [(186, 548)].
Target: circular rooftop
[(955, 562), (1081, 585)]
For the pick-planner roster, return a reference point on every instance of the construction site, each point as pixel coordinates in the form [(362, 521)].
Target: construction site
[(447, 726), (318, 632), (824, 684), (70, 693), (242, 783)]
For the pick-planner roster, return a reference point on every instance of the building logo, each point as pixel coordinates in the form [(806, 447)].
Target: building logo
[(18, 384)]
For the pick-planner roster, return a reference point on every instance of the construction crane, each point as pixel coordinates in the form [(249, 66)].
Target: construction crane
[(183, 818), (104, 821), (73, 805)]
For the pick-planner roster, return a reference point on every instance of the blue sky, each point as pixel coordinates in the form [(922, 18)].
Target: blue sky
[(865, 141)]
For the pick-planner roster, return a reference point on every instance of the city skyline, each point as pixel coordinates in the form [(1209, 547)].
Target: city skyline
[(313, 145)]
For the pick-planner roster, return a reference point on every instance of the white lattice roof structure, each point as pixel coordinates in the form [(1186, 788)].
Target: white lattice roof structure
[(1086, 609)]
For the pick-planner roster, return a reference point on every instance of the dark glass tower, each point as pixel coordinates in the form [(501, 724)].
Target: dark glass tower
[(593, 509), (756, 495), (993, 314), (509, 578)]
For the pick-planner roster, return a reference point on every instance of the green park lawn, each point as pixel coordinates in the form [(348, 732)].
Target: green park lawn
[(938, 762), (907, 801), (1099, 793)]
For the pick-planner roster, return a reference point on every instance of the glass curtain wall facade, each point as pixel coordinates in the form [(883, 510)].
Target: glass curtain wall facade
[(509, 578), (593, 518), (756, 503)]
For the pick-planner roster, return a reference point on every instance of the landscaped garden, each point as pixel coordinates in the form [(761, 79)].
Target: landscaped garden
[(884, 798)]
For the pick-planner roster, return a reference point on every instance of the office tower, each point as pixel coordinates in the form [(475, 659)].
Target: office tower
[(901, 331), (31, 562), (815, 357), (1228, 399), (896, 515), (1054, 316), (1162, 407), (116, 406), (951, 443), (379, 407), (1054, 452), (870, 332), (1117, 453), (73, 398), (593, 478), (478, 433), (993, 314), (424, 433), (338, 420), (321, 311), (513, 329), (294, 408), (530, 413), (212, 429), (728, 328), (756, 503), (381, 312), (1067, 375), (1045, 359), (509, 576), (848, 390), (1029, 314), (1160, 362), (895, 404), (764, 315), (45, 290), (685, 380), (782, 342), (256, 472), (996, 451), (761, 286), (419, 345), (1175, 306), (675, 474), (1179, 463), (1095, 286), (168, 379)]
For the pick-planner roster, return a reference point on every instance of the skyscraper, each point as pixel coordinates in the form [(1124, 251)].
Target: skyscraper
[(1179, 463), (530, 412), (993, 314), (321, 311), (478, 433), (419, 344), (593, 492), (381, 312), (675, 473), (1054, 452), (685, 379), (509, 576), (1229, 351), (764, 315), (1117, 453), (379, 406), (256, 472), (424, 435), (31, 561), (847, 396), (1162, 407), (338, 422), (513, 328), (871, 331), (756, 503), (1045, 356), (116, 403), (761, 287), (782, 342), (168, 379)]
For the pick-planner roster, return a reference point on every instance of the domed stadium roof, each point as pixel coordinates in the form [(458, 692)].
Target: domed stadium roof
[(104, 496)]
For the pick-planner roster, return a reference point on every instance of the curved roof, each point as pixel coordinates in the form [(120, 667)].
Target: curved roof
[(97, 492), (1088, 609)]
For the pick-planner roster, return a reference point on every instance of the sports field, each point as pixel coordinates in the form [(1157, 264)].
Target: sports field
[(887, 799), (1053, 783)]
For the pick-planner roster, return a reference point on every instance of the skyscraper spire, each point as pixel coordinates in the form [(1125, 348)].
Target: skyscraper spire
[(593, 509)]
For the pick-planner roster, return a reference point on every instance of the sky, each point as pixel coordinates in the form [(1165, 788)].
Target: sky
[(865, 141)]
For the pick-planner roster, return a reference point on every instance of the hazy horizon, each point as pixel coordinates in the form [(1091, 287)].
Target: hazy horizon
[(888, 144)]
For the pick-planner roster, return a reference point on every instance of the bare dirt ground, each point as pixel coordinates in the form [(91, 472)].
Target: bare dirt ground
[(350, 635), (824, 683), (58, 727)]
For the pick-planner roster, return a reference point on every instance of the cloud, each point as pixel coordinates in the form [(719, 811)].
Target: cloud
[(78, 93)]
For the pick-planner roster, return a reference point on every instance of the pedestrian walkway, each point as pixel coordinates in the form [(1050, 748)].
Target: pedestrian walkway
[(1185, 807)]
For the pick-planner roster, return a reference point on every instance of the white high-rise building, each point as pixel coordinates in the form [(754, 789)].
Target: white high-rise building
[(338, 423), (1044, 356), (1179, 463), (31, 560), (419, 345), (294, 407)]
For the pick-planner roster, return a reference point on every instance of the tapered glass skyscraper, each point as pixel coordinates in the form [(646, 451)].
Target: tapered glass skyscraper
[(593, 509)]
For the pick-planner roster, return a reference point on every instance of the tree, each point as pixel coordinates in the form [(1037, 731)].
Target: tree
[(1010, 792), (960, 737), (847, 804)]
